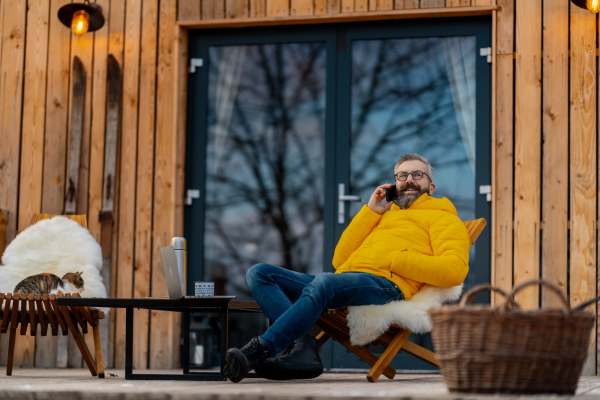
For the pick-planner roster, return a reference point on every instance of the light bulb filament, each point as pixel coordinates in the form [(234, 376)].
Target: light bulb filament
[(593, 5), (81, 22)]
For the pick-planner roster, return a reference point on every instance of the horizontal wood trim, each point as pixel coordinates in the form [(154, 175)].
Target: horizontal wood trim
[(340, 17)]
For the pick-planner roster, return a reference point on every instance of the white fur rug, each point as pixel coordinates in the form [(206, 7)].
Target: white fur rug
[(367, 323), (57, 246)]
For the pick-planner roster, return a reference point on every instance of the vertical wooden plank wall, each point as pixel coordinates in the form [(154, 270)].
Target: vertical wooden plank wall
[(163, 342), (11, 71), (530, 222), (555, 120), (502, 221), (583, 163), (528, 74), (145, 175), (128, 173)]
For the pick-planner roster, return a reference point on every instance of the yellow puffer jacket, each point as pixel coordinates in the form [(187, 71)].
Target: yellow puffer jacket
[(427, 243)]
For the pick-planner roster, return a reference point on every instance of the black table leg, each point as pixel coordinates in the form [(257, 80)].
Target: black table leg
[(128, 342), (185, 349), (224, 337)]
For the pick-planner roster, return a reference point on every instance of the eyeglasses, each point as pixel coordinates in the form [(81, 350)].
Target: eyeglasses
[(417, 175)]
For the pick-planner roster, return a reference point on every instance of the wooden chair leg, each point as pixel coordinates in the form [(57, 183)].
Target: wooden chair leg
[(85, 352), (13, 334), (322, 338), (421, 353), (388, 355), (98, 348), (11, 350), (364, 354)]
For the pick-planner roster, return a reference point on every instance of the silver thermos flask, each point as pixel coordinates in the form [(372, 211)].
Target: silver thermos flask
[(179, 245)]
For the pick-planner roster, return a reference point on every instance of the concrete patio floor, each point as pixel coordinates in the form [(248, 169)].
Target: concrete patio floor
[(78, 384)]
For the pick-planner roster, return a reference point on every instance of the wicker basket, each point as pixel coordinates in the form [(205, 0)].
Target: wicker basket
[(508, 350)]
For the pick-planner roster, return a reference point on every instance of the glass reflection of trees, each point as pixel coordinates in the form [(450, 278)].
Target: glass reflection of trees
[(402, 102), (265, 158)]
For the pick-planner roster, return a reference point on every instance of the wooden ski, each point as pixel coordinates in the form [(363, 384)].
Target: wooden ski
[(3, 223), (66, 356), (111, 140), (77, 111)]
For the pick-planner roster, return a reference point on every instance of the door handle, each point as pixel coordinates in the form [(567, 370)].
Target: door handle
[(342, 197)]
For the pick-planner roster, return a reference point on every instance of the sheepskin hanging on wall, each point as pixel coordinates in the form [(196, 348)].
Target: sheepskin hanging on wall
[(57, 246)]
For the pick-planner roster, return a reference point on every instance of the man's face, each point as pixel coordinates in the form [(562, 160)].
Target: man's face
[(410, 189)]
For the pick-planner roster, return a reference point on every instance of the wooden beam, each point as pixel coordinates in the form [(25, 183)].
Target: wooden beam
[(278, 8), (555, 148), (97, 153), (306, 7), (116, 36), (32, 154), (583, 165), (11, 106), (57, 104), (528, 109), (128, 174), (164, 332), (188, 9), (34, 107), (502, 187), (505, 43), (213, 9), (144, 182), (433, 3), (236, 8), (341, 17), (11, 87), (257, 8), (502, 271), (458, 3)]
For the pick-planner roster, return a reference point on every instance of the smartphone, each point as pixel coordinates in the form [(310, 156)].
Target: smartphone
[(390, 193)]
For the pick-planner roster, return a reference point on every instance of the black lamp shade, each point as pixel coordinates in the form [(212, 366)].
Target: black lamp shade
[(65, 14), (580, 3)]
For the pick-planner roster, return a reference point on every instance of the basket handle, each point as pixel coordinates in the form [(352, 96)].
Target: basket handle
[(511, 297), (481, 288)]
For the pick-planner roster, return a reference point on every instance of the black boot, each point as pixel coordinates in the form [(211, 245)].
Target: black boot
[(299, 361), (238, 362)]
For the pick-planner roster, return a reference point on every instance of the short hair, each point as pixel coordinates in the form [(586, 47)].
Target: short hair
[(415, 156)]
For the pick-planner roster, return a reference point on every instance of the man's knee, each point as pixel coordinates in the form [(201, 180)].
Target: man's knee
[(256, 272), (319, 288)]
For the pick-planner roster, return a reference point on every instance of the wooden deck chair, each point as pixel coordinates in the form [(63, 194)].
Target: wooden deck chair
[(335, 325), (43, 311)]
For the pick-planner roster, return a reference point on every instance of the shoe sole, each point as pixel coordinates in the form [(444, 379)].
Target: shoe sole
[(235, 368), (276, 373)]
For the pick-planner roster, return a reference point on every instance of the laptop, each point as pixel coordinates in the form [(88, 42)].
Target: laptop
[(175, 283)]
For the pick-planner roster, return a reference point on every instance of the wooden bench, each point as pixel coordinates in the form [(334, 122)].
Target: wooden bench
[(37, 310)]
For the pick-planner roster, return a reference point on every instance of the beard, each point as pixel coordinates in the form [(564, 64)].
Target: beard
[(405, 200)]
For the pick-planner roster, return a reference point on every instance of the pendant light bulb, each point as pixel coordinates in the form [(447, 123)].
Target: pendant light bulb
[(593, 5), (81, 22)]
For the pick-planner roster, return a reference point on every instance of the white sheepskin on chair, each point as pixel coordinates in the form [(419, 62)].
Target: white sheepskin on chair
[(57, 246), (367, 323)]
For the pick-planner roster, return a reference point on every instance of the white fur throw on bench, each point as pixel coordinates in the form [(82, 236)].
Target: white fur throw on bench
[(367, 323), (57, 246)]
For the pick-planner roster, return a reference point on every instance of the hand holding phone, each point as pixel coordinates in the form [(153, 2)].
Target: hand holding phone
[(375, 202)]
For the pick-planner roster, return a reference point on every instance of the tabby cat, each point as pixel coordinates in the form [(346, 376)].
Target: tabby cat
[(51, 284)]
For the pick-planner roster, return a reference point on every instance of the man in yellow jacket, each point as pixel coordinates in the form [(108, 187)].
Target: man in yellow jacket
[(384, 255)]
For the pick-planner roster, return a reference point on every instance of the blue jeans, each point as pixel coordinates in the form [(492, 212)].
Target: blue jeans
[(294, 301)]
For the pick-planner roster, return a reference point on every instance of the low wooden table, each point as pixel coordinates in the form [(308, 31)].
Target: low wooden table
[(222, 305)]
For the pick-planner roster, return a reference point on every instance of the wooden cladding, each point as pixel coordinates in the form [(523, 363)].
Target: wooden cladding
[(36, 53), (546, 158), (195, 10)]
